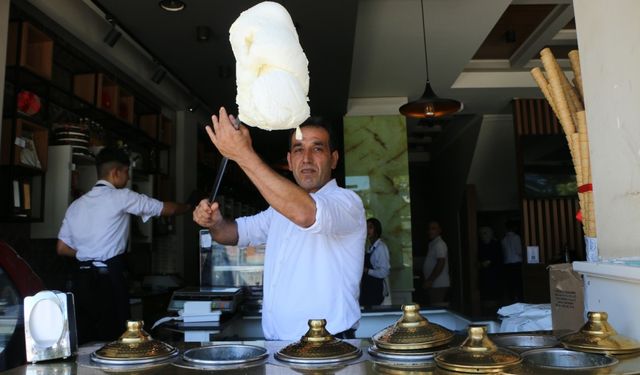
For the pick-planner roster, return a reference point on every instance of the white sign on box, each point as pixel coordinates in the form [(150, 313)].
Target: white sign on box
[(533, 254)]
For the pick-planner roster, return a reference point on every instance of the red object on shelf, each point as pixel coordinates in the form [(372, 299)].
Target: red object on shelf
[(28, 103), (106, 99), (579, 216)]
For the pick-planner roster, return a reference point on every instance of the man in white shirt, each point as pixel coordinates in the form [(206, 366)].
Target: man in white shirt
[(436, 266), (314, 231), (512, 259), (376, 266), (95, 230)]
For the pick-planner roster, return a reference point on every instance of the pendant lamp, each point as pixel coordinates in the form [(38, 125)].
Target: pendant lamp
[(429, 105)]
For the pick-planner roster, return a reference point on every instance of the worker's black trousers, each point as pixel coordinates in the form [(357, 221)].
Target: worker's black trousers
[(102, 300)]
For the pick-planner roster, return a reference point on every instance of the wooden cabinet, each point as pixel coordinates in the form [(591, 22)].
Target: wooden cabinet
[(29, 47), (71, 90)]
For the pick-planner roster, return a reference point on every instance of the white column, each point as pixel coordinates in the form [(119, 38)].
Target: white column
[(608, 38)]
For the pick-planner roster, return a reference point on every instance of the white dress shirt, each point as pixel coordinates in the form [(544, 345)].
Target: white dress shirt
[(310, 273), (511, 248), (96, 225), (379, 260), (437, 249)]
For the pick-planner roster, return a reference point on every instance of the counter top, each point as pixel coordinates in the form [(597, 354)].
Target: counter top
[(82, 365)]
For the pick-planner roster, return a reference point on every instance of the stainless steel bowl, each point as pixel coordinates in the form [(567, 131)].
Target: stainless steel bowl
[(522, 342), (563, 359), (225, 354)]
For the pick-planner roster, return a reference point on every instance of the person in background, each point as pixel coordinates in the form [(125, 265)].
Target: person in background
[(436, 266), (489, 268), (512, 258), (376, 266), (314, 231), (95, 231)]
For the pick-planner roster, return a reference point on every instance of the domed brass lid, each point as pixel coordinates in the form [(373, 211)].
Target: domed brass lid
[(318, 346), (412, 331), (133, 347), (477, 354), (598, 336)]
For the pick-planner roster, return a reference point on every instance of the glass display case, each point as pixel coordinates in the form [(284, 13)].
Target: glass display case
[(222, 265)]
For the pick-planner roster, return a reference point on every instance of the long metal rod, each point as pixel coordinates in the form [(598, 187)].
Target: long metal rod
[(221, 168)]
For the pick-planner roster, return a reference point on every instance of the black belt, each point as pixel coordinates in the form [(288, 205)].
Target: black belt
[(116, 261)]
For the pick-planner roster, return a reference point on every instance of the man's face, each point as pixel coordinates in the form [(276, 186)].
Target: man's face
[(311, 159), (434, 230), (370, 230)]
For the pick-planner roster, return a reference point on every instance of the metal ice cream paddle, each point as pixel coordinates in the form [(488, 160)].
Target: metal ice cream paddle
[(221, 168)]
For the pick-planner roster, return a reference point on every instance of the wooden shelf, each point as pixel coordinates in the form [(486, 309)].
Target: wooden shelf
[(25, 131), (35, 49), (108, 94)]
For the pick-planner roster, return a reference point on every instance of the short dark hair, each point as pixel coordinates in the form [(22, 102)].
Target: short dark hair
[(377, 226), (317, 122), (109, 158)]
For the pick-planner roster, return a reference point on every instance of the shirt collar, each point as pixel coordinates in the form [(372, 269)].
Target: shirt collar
[(373, 246), (106, 183), (328, 186)]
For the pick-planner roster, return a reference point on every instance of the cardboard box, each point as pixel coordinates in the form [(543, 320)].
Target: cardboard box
[(566, 288)]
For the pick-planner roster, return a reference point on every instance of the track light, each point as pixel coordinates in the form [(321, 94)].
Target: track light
[(158, 75), (112, 36)]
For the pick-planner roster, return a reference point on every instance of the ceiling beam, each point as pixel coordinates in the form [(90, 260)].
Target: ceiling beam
[(542, 35)]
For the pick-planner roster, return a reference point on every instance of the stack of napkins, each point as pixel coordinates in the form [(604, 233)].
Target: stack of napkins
[(522, 317), (272, 74)]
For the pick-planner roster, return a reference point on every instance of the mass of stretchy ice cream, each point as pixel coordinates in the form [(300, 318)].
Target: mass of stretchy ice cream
[(271, 68)]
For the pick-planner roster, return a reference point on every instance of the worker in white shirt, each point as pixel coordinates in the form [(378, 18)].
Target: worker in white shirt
[(95, 230), (376, 266), (314, 231), (436, 266), (512, 259)]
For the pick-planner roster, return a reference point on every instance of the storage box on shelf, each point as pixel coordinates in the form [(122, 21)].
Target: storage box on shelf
[(29, 47), (125, 107), (149, 124), (108, 94), (84, 87)]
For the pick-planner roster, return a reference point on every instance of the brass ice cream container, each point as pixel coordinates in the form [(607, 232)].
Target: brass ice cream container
[(598, 336), (318, 346), (477, 354), (412, 331), (135, 346)]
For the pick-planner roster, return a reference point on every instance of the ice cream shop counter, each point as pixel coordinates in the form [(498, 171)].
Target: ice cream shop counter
[(412, 343)]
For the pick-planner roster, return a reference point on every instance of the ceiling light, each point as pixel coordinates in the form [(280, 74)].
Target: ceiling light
[(112, 36), (429, 105), (172, 5), (158, 75)]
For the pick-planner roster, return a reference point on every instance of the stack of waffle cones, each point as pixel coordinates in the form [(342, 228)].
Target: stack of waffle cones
[(566, 100)]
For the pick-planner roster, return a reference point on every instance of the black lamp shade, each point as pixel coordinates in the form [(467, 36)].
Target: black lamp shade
[(429, 105)]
